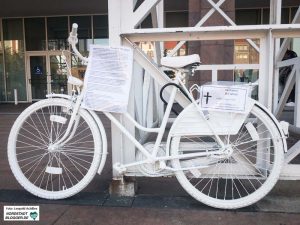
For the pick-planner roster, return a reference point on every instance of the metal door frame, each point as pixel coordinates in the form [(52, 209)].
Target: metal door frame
[(47, 54)]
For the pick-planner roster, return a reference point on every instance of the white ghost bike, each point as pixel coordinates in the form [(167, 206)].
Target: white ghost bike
[(223, 159)]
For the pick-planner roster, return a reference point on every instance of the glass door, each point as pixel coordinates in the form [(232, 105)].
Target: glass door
[(58, 73), (38, 76), (46, 73)]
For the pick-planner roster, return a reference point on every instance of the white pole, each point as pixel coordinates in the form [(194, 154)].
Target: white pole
[(120, 21), (297, 99), (275, 18), (214, 75), (16, 96)]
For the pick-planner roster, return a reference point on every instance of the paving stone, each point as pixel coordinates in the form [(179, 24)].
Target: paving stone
[(279, 204), (114, 201), (82, 215), (83, 198)]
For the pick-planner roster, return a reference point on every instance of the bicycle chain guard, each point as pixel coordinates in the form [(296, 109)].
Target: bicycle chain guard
[(152, 169)]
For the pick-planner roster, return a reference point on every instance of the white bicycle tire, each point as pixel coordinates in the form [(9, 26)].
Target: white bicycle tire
[(13, 162), (245, 201)]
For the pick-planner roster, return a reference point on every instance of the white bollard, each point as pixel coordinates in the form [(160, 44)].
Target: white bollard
[(16, 96)]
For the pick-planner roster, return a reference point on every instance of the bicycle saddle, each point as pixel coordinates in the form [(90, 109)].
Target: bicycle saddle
[(181, 61)]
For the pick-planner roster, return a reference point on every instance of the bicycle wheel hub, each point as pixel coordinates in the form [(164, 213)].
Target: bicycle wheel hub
[(53, 148), (228, 151)]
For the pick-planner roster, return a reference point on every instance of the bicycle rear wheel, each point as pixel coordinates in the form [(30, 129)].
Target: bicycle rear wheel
[(46, 170), (242, 177)]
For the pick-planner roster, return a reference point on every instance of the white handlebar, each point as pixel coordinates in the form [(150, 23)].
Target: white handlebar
[(74, 29), (73, 40)]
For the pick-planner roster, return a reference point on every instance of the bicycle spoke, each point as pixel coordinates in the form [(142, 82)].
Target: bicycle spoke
[(236, 172), (32, 134)]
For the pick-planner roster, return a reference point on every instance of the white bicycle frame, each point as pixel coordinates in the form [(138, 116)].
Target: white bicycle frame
[(150, 157)]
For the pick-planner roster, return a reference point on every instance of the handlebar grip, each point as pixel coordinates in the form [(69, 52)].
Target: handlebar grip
[(74, 29)]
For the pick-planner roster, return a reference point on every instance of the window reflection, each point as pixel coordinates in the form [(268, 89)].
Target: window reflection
[(38, 77), (265, 16), (100, 29), (14, 58), (2, 86), (84, 32), (2, 80), (58, 68), (78, 68), (84, 41), (248, 16), (285, 15), (35, 34), (92, 29), (57, 31)]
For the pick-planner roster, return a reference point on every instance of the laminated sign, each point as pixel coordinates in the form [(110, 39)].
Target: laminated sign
[(224, 98), (108, 78)]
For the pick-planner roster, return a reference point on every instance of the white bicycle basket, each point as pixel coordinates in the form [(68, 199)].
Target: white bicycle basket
[(108, 78)]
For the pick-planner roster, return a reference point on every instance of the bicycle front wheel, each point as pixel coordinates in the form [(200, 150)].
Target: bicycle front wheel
[(242, 176), (47, 170)]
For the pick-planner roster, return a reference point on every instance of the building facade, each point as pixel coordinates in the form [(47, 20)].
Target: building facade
[(34, 47)]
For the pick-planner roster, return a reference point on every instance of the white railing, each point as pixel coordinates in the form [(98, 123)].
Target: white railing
[(292, 80), (221, 67), (123, 31)]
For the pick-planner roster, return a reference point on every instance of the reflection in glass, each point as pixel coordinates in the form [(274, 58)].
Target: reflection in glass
[(84, 40), (100, 28), (295, 41), (293, 13), (168, 47), (84, 32), (2, 86), (35, 34), (266, 16), (57, 31), (248, 76), (14, 58), (78, 68), (285, 15), (59, 76), (177, 19), (244, 53), (38, 77), (248, 16)]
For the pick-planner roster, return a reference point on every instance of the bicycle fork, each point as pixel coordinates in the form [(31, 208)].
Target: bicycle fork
[(72, 125)]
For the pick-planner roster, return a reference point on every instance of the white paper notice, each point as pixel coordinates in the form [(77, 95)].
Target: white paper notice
[(108, 78), (223, 98)]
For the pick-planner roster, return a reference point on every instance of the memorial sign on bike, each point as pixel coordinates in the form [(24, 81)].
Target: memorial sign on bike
[(224, 98), (108, 79)]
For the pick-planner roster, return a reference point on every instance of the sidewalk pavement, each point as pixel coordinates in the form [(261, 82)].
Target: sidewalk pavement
[(158, 200)]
